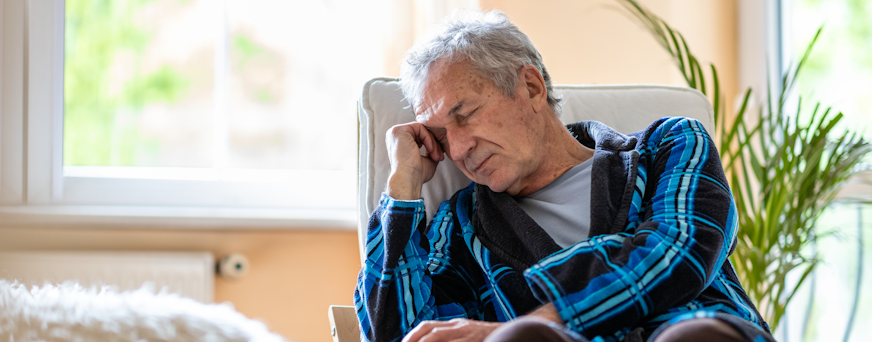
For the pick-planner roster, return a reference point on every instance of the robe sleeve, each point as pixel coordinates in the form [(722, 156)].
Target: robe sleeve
[(410, 274)]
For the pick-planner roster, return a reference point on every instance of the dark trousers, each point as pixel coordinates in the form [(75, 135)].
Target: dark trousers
[(700, 329)]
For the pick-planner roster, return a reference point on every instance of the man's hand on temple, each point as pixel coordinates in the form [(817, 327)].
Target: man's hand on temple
[(458, 329), (409, 169)]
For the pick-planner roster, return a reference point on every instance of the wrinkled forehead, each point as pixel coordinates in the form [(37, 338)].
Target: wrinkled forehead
[(447, 87), (423, 113), (440, 104)]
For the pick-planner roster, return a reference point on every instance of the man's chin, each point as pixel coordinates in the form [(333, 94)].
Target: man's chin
[(494, 182), (497, 186)]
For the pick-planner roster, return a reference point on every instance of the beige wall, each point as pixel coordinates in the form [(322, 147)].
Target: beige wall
[(596, 42), (296, 274)]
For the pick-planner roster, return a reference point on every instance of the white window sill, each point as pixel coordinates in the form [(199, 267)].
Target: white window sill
[(158, 217)]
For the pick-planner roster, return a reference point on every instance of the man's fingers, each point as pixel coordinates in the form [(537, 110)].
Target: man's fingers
[(421, 137), (425, 328), (445, 334), (456, 330), (424, 137), (409, 169)]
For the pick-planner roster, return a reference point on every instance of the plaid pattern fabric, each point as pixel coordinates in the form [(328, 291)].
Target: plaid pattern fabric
[(663, 223)]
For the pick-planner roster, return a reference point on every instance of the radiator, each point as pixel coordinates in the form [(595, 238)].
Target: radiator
[(190, 274)]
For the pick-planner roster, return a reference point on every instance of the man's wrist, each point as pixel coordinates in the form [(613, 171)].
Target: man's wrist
[(548, 312), (401, 189)]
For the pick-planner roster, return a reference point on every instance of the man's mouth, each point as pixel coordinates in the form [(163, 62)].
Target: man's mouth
[(480, 164)]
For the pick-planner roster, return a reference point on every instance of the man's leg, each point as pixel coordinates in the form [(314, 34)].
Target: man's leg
[(709, 327), (700, 329), (530, 329)]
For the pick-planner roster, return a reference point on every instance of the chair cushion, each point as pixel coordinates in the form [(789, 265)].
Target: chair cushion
[(626, 108)]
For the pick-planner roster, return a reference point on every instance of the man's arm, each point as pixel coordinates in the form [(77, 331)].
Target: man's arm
[(399, 285), (608, 282), (547, 312)]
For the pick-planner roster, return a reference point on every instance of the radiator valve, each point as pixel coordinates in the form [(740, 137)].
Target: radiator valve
[(232, 266)]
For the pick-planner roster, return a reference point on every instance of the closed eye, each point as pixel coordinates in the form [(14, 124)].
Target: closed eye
[(468, 115)]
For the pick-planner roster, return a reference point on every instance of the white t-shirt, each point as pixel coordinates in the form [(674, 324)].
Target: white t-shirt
[(562, 208)]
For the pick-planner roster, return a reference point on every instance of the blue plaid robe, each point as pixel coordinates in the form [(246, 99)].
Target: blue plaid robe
[(663, 223)]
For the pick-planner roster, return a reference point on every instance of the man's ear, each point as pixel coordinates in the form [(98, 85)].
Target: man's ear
[(535, 85)]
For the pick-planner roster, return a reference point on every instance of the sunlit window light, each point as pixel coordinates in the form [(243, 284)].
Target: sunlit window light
[(216, 90)]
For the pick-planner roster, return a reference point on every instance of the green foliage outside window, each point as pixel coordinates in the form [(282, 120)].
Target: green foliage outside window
[(105, 86)]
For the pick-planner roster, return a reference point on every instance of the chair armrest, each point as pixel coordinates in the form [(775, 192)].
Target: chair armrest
[(343, 323)]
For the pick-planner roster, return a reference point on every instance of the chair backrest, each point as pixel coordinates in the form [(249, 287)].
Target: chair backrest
[(626, 108)]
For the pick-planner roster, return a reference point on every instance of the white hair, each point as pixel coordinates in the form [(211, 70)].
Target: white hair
[(489, 41)]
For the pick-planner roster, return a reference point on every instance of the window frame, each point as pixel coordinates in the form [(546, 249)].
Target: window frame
[(760, 45), (35, 191)]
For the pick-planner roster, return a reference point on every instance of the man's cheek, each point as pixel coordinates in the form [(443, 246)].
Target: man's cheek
[(445, 147)]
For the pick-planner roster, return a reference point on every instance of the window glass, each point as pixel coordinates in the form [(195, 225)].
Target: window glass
[(839, 70), (138, 83), (254, 84), (295, 70), (838, 74)]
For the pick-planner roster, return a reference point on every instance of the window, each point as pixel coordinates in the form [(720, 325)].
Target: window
[(208, 111), (838, 74)]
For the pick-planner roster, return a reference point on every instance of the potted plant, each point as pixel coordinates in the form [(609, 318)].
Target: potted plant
[(784, 169)]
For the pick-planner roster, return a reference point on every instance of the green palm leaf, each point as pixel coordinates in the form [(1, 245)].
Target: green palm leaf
[(783, 172)]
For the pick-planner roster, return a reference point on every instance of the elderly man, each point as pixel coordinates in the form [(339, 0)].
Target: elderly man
[(567, 233)]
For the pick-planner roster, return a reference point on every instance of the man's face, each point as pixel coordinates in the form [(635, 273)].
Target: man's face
[(492, 138)]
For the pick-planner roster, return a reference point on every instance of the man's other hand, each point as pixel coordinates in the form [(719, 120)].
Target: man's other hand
[(458, 329), (409, 169)]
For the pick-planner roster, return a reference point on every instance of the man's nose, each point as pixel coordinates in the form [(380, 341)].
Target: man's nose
[(460, 144)]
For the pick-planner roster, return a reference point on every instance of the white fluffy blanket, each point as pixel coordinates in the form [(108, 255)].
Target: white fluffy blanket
[(69, 312)]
